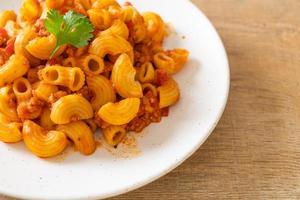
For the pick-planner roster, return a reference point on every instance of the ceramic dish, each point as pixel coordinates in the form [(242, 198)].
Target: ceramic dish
[(204, 84)]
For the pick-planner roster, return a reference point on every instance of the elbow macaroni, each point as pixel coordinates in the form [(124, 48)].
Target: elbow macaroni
[(15, 67), (6, 96), (120, 81), (168, 93), (71, 77), (6, 16), (120, 113), (10, 132), (71, 108), (42, 143), (114, 134), (109, 44), (123, 78), (42, 47), (81, 135), (102, 89)]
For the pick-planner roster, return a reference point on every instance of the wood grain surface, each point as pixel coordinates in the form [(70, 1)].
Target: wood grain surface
[(254, 153)]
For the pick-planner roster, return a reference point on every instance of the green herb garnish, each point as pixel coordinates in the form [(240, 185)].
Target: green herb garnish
[(72, 28)]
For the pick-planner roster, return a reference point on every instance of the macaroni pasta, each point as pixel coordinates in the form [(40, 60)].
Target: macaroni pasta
[(69, 67)]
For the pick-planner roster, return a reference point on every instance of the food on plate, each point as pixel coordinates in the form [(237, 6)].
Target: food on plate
[(68, 67)]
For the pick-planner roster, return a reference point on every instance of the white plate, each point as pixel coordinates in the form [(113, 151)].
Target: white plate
[(204, 85)]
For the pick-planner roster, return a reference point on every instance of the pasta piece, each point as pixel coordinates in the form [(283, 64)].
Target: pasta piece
[(42, 47), (168, 93), (149, 87), (102, 89), (71, 108), (138, 30), (180, 57), (100, 18), (43, 90), (7, 104), (92, 64), (123, 78), (22, 89), (146, 73), (156, 30), (120, 113), (30, 10), (14, 68), (172, 61), (71, 77), (6, 16), (163, 61), (10, 132), (81, 135), (22, 40), (114, 134), (45, 120), (12, 28), (118, 28), (104, 4), (42, 143), (109, 44), (54, 4)]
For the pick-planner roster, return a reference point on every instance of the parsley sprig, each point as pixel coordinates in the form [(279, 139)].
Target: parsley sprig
[(72, 28)]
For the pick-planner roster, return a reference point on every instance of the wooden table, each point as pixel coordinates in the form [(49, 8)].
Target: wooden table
[(254, 153)]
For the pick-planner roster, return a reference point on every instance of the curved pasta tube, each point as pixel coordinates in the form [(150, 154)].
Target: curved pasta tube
[(172, 61), (114, 134), (81, 135), (12, 28), (149, 87), (71, 108), (10, 132), (138, 29), (120, 113), (22, 40), (42, 143), (102, 89), (15, 67), (92, 64), (43, 91), (163, 61), (123, 78), (168, 93), (156, 30), (146, 73), (6, 16), (42, 47), (180, 57), (30, 10), (45, 120), (6, 108), (22, 89), (54, 4), (100, 18), (118, 28), (104, 4), (109, 44), (71, 77)]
